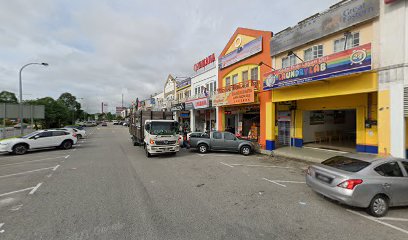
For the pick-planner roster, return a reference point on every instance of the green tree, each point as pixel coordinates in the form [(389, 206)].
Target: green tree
[(69, 101), (8, 97), (56, 113)]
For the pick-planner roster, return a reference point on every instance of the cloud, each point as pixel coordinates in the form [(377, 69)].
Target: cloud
[(99, 49)]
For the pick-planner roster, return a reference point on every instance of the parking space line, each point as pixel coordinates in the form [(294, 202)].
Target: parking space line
[(35, 188), (254, 165), (226, 164), (39, 160), (284, 181), (274, 182), (394, 219), (378, 221), (1, 226), (36, 170), (17, 191)]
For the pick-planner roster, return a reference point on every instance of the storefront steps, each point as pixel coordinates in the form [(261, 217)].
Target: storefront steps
[(305, 153)]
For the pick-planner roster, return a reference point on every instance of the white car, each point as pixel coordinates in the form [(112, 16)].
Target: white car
[(39, 139), (80, 133)]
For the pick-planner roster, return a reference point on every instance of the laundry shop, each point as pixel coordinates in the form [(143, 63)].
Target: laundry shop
[(239, 99), (324, 89)]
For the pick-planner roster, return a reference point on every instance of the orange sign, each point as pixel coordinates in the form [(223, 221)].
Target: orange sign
[(234, 97)]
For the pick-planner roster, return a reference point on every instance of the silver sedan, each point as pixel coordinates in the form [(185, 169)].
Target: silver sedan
[(362, 181)]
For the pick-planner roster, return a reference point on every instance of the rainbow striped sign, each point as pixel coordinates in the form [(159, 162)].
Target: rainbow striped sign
[(350, 61)]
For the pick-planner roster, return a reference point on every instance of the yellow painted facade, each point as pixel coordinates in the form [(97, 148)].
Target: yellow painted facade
[(384, 122), (244, 40), (239, 71)]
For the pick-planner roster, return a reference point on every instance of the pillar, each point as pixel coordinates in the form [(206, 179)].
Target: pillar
[(192, 120), (397, 125), (220, 119)]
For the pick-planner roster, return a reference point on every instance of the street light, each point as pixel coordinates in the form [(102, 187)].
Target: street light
[(21, 95)]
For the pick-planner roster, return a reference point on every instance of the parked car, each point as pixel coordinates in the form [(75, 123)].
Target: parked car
[(221, 141), (115, 122), (39, 139), (362, 181), (79, 133), (76, 127), (104, 124)]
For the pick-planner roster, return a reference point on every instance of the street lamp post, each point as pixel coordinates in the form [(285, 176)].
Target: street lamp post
[(21, 95)]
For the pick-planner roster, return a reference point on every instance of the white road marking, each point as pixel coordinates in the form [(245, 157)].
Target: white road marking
[(274, 182), (394, 219), (378, 221), (49, 175), (1, 225), (66, 156), (39, 160), (35, 188), (16, 208), (6, 201), (226, 164), (17, 191), (36, 170), (266, 166), (284, 181)]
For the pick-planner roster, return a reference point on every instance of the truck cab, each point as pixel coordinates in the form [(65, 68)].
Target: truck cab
[(161, 136)]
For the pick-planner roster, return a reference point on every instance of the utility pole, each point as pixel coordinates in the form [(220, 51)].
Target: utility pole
[(122, 100), (102, 107)]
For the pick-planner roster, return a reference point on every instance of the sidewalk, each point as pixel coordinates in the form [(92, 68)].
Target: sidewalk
[(305, 154)]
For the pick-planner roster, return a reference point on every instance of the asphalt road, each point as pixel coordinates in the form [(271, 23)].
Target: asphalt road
[(105, 188)]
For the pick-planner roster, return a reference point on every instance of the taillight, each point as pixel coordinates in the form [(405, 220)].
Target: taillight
[(151, 141), (74, 135), (350, 184)]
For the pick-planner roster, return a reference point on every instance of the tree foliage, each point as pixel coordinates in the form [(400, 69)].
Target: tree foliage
[(8, 97)]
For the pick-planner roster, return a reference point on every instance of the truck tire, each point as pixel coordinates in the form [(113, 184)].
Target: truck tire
[(245, 150), (148, 155), (203, 148)]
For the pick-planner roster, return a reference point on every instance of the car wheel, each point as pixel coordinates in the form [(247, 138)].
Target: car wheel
[(20, 149), (245, 150), (66, 145), (79, 136), (378, 206), (203, 148)]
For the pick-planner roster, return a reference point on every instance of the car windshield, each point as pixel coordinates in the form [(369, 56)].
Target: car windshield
[(30, 134), (346, 163), (163, 128)]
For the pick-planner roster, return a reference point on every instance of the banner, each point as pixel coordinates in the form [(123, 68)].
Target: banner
[(353, 60), (237, 96), (197, 103), (249, 49)]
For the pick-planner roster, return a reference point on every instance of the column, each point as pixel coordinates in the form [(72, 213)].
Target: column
[(397, 125), (192, 120)]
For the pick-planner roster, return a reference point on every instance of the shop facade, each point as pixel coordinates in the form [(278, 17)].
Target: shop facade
[(240, 99), (324, 86), (183, 92), (203, 86)]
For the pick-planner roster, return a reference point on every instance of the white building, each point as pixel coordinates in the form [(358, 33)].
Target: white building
[(203, 86), (393, 76)]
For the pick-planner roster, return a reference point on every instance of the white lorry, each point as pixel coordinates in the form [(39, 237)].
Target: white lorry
[(155, 131)]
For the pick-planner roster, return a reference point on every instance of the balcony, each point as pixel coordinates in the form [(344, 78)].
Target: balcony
[(248, 83)]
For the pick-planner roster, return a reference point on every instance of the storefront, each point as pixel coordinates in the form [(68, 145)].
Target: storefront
[(329, 98), (182, 116), (202, 115), (240, 100)]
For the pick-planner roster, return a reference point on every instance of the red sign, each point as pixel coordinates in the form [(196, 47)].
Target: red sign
[(389, 1), (203, 63)]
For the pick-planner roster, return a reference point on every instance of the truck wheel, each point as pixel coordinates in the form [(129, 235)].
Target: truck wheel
[(20, 149), (245, 150), (203, 148), (148, 155)]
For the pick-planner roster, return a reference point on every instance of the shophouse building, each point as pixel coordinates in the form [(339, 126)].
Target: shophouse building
[(183, 93), (324, 82), (240, 99), (203, 86)]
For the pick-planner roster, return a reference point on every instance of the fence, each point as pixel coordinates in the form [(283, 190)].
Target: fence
[(9, 132)]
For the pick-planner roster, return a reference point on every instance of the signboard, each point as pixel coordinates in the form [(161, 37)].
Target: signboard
[(119, 109), (353, 60), (237, 96), (197, 103), (334, 20), (203, 63), (177, 107), (11, 110), (247, 50), (183, 84)]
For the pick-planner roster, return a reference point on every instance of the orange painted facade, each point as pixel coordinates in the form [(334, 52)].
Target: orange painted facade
[(256, 60)]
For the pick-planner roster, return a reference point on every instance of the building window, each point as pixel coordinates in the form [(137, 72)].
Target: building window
[(254, 73), (227, 81), (245, 76), (288, 61), (235, 79), (353, 40), (313, 52)]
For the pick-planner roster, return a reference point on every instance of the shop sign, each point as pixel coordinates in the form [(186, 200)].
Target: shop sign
[(247, 50), (334, 20), (237, 96), (197, 103), (203, 63), (284, 116), (177, 107), (183, 84), (185, 114), (353, 60)]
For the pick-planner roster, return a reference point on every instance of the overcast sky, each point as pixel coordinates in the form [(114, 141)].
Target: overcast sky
[(99, 49)]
